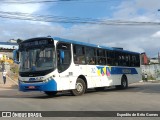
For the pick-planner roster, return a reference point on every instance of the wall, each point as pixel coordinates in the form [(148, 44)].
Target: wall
[(153, 71)]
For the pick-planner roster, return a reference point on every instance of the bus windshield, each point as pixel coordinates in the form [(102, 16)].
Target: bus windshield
[(37, 59)]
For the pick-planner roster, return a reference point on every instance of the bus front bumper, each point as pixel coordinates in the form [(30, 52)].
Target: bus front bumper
[(41, 86)]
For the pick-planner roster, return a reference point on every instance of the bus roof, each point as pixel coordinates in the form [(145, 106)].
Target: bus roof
[(83, 43), (93, 45)]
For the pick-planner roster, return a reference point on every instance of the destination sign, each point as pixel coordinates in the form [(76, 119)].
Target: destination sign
[(35, 43), (38, 42)]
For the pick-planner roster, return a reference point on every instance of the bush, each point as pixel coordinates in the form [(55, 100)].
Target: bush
[(151, 77)]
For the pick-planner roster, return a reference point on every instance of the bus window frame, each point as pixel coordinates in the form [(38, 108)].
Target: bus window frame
[(111, 57), (102, 57), (59, 64), (77, 56), (91, 60)]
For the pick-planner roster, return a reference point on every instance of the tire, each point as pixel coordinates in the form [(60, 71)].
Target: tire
[(50, 93), (100, 88), (124, 83), (80, 88)]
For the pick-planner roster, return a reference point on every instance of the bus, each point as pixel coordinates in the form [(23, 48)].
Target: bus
[(53, 64)]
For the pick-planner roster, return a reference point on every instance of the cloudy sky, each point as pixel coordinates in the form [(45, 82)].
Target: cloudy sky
[(139, 38)]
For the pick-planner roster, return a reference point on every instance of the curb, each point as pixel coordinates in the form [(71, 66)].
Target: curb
[(151, 81)]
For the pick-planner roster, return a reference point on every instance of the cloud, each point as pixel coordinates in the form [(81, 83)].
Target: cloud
[(134, 38), (27, 29), (156, 35), (24, 8), (138, 10), (139, 38), (14, 28), (149, 5)]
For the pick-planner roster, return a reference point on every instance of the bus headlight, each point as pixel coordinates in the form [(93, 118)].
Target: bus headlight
[(48, 79), (40, 78)]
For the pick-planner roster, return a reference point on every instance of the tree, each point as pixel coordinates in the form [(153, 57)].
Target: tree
[(19, 40)]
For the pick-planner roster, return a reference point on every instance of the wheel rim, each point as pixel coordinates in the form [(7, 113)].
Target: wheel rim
[(124, 83), (79, 87)]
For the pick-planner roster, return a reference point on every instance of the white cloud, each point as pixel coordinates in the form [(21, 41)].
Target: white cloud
[(24, 8), (149, 5), (156, 35), (135, 38), (140, 10), (142, 37), (27, 29)]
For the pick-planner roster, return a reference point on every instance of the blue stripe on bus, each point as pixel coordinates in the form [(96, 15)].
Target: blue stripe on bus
[(102, 71), (122, 70), (43, 86)]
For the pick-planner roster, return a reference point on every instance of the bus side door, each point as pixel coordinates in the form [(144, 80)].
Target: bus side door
[(63, 64)]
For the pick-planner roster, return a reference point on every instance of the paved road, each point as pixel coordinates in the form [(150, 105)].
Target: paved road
[(138, 97)]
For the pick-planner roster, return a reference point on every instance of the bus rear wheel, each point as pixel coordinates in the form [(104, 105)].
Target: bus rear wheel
[(80, 88), (124, 83), (50, 93)]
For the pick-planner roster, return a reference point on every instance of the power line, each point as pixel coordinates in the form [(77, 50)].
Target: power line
[(73, 20), (31, 1), (49, 1)]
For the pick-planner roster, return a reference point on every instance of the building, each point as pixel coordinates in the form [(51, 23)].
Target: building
[(144, 59), (7, 48), (150, 66), (154, 61), (7, 45), (12, 41)]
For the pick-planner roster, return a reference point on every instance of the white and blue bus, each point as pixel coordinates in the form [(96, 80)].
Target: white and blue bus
[(56, 64)]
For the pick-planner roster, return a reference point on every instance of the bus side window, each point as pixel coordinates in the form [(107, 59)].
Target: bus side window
[(137, 61), (79, 54), (91, 61), (101, 57), (133, 61), (127, 59), (90, 55), (111, 58)]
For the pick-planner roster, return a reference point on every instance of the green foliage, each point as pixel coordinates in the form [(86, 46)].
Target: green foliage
[(143, 78), (14, 71), (14, 68), (1, 61), (151, 77)]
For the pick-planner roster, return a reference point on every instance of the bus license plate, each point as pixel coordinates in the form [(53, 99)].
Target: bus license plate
[(31, 87)]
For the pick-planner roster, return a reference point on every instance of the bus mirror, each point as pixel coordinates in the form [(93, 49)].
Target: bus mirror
[(16, 56)]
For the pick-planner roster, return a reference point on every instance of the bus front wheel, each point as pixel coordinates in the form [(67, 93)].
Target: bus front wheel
[(80, 87), (124, 83)]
